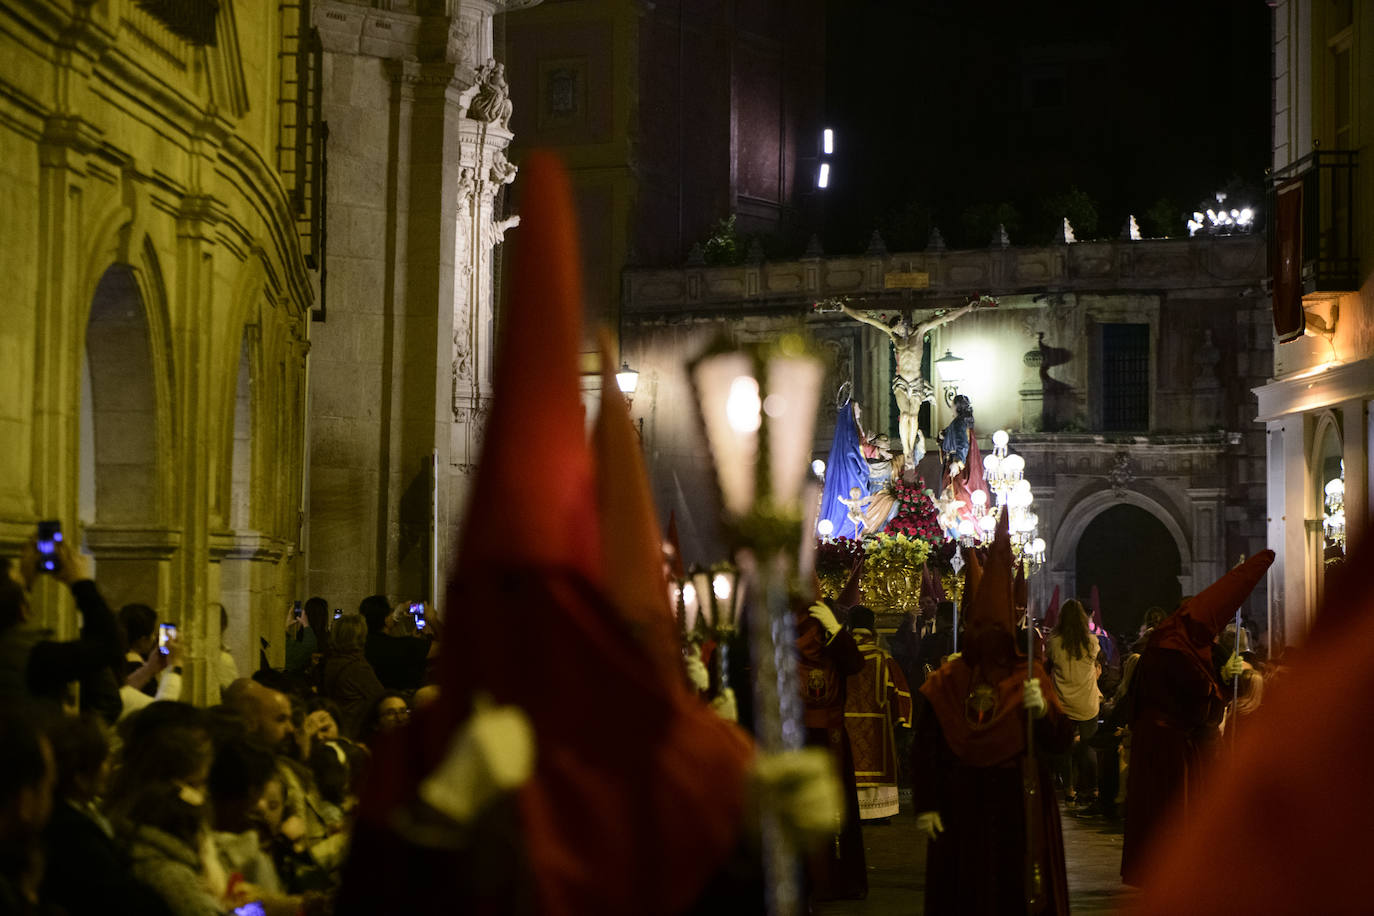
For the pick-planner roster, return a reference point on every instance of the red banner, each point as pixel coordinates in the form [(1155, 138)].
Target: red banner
[(1289, 319)]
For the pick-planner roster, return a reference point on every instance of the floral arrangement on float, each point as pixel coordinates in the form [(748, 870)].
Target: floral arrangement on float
[(892, 572), (916, 515)]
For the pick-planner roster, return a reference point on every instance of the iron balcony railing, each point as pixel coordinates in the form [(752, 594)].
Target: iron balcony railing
[(1330, 256)]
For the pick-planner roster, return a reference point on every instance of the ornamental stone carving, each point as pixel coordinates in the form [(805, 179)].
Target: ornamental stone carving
[(491, 103)]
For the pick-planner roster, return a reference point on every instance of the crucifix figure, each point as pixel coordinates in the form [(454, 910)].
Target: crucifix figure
[(908, 387)]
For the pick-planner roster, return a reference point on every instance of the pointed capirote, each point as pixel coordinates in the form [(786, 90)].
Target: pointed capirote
[(852, 593), (1052, 612), (1020, 589), (679, 570), (973, 577), (993, 602), (532, 499), (1215, 606), (632, 557)]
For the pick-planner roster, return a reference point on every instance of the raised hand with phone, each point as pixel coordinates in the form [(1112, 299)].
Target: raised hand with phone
[(50, 665)]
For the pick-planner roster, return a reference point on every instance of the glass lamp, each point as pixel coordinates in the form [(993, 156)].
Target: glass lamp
[(627, 379)]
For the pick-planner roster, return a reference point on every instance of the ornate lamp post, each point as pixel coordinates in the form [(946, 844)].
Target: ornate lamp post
[(1005, 476), (758, 405)]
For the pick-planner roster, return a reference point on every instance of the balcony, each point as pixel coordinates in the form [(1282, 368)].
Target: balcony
[(1326, 225)]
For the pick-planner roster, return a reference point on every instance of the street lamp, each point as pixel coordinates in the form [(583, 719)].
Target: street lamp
[(627, 379), (951, 369), (758, 406)]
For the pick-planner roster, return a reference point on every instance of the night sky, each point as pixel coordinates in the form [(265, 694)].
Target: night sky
[(964, 114)]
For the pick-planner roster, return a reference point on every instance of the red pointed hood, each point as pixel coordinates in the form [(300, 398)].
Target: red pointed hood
[(852, 593), (673, 541), (1052, 612), (514, 516), (600, 821), (632, 561), (990, 624), (1192, 628), (989, 658)]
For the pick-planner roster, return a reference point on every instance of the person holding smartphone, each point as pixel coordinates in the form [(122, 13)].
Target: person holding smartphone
[(34, 664), (399, 659)]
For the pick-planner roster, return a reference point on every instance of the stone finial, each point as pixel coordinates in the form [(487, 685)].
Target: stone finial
[(877, 248), (755, 253), (1065, 234), (813, 247), (1000, 239), (696, 255), (936, 242), (1131, 231)]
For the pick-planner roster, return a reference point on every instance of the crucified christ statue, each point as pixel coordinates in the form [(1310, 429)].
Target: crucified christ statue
[(908, 387)]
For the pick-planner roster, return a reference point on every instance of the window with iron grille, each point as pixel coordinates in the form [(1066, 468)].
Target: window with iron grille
[(1125, 377)]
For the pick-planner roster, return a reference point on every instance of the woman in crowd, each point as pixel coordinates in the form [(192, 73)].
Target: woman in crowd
[(158, 800), (348, 678), (306, 636), (1072, 652)]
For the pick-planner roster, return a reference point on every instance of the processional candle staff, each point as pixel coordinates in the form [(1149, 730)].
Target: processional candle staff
[(758, 405)]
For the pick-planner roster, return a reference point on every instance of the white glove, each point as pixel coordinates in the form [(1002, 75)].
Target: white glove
[(826, 617), (805, 791), (1033, 699), (491, 753), (1233, 667), (725, 705), (929, 823), (696, 671)]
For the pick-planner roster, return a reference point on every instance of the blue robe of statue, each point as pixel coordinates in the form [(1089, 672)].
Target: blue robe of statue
[(845, 467)]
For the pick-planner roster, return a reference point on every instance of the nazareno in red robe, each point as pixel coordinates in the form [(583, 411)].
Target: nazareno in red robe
[(837, 869), (1175, 705), (969, 756)]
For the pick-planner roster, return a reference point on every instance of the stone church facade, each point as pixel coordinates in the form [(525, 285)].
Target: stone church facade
[(250, 250), (1165, 454), (157, 224)]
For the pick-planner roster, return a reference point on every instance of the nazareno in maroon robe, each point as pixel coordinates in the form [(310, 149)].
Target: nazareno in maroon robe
[(836, 870), (968, 754), (1175, 704)]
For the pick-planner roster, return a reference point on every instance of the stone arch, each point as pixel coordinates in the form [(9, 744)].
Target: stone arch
[(120, 408), (1325, 450), (1128, 554), (1064, 544)]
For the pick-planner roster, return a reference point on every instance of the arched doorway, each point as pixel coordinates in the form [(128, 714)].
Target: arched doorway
[(1133, 560), (120, 492)]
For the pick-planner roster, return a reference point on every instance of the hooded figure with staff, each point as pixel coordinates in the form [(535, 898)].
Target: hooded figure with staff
[(978, 767)]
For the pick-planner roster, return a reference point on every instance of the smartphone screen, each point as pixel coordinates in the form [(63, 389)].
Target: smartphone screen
[(297, 610), (418, 612), (167, 631), (338, 612), (49, 536), (250, 909)]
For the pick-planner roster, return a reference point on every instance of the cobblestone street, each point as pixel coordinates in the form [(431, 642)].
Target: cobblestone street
[(896, 869)]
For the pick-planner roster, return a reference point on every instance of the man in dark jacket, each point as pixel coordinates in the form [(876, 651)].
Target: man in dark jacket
[(398, 660)]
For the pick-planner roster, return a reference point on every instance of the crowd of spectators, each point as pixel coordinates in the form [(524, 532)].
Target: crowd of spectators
[(116, 796)]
